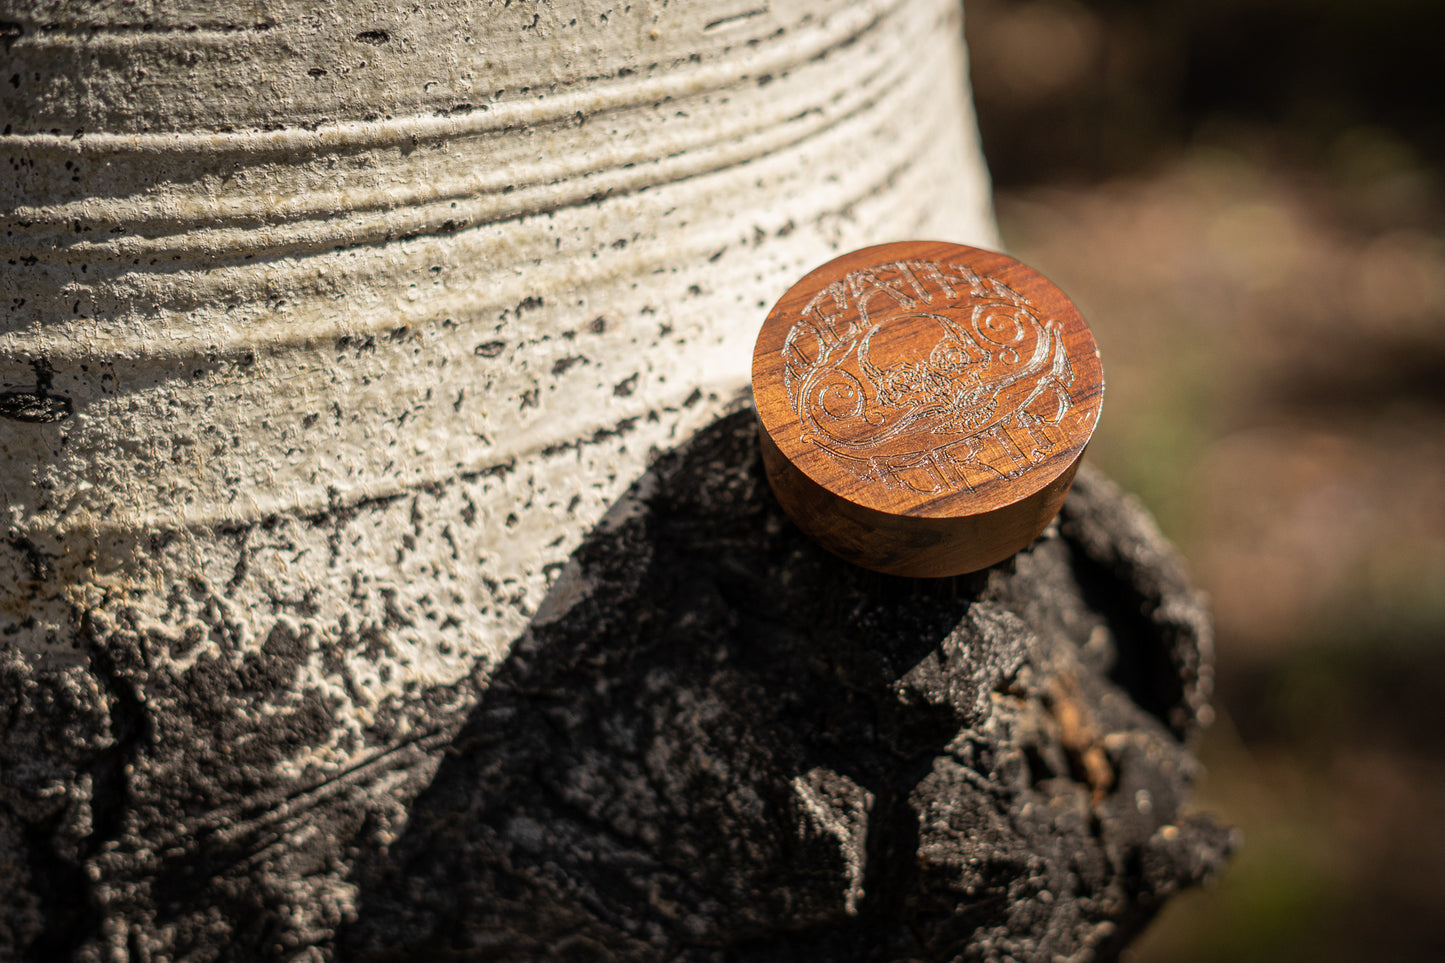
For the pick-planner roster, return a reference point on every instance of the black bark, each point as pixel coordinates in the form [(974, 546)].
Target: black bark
[(716, 742), (721, 743)]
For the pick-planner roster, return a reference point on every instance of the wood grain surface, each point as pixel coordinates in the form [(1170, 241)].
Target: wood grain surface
[(923, 406)]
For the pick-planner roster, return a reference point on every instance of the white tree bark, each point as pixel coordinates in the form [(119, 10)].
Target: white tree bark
[(334, 326), (355, 319)]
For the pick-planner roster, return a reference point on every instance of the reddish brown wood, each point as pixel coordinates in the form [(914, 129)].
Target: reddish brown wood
[(923, 406)]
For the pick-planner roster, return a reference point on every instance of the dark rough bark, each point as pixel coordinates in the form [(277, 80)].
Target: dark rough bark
[(720, 742), (716, 742)]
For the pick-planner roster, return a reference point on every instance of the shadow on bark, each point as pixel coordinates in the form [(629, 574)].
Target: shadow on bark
[(717, 742)]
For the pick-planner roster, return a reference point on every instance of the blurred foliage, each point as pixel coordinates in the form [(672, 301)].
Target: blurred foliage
[(1067, 88), (1246, 199)]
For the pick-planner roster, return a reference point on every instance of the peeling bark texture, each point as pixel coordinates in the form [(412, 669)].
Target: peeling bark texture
[(718, 742)]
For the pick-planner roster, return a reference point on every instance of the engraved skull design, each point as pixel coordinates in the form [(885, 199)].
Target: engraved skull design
[(982, 400)]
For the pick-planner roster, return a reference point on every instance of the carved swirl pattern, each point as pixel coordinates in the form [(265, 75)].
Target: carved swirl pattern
[(929, 377)]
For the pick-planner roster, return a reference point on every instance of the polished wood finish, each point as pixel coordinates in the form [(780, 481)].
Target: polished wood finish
[(923, 406)]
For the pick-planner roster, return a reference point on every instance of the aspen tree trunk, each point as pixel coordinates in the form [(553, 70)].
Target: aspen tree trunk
[(328, 330), (349, 321)]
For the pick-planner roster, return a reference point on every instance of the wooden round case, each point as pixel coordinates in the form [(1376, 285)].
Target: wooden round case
[(923, 406)]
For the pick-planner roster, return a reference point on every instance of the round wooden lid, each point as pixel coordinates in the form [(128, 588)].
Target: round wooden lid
[(923, 406)]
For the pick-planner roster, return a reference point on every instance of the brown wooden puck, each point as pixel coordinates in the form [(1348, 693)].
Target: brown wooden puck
[(923, 406)]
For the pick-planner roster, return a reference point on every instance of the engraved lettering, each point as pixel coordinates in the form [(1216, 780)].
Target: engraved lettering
[(838, 294), (930, 271)]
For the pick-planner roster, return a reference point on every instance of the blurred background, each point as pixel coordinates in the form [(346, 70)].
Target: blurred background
[(1245, 198)]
